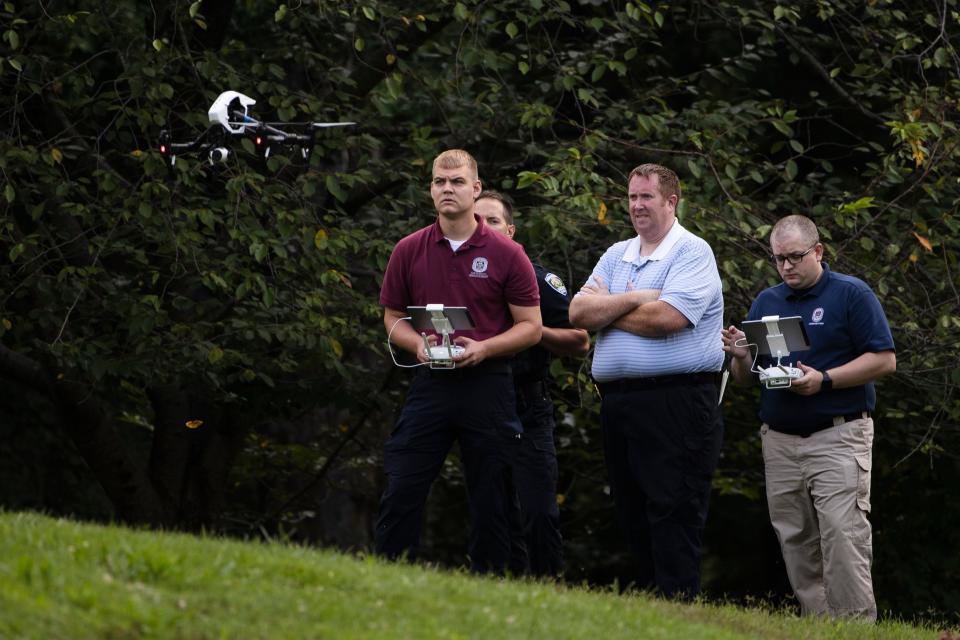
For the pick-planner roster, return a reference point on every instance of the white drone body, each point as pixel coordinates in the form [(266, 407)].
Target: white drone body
[(219, 112)]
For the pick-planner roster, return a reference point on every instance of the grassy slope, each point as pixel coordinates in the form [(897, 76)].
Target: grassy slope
[(61, 579)]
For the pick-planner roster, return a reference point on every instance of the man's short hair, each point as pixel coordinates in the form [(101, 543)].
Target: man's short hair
[(798, 224), (454, 159), (502, 199), (669, 183)]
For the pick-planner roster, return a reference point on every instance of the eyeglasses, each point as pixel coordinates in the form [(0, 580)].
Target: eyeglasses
[(792, 258)]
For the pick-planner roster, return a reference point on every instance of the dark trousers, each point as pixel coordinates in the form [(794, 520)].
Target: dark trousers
[(536, 546), (477, 408), (661, 446)]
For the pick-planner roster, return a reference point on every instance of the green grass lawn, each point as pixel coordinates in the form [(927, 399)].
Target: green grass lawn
[(62, 579)]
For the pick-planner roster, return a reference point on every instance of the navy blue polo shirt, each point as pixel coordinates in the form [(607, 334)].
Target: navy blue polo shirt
[(843, 320)]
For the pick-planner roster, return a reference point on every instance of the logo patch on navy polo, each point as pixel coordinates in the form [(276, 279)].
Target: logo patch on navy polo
[(555, 283), (479, 268), (817, 315)]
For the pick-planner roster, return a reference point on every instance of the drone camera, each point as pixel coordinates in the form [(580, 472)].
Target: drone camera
[(218, 154)]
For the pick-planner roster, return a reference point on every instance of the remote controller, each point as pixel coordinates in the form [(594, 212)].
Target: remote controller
[(779, 376)]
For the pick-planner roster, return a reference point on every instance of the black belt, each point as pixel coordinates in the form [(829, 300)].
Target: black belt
[(641, 384), (808, 430)]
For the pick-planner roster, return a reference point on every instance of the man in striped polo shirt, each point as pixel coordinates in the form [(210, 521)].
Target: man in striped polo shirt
[(656, 304)]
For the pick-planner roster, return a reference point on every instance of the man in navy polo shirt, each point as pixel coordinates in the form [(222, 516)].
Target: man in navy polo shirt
[(457, 261), (818, 433)]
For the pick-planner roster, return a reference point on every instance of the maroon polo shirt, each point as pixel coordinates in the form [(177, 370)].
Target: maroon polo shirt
[(488, 272)]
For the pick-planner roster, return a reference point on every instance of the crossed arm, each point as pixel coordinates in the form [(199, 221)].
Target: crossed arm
[(565, 342), (637, 311)]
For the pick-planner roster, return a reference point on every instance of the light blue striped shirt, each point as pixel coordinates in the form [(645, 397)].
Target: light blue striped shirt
[(684, 269)]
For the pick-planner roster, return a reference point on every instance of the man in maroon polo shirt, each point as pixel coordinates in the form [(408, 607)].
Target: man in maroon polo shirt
[(457, 261)]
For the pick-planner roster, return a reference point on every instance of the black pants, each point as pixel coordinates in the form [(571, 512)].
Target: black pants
[(536, 546), (662, 445), (476, 407)]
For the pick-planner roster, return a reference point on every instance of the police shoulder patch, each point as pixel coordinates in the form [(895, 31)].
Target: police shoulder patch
[(555, 283)]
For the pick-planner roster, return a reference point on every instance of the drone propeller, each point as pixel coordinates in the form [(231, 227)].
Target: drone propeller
[(317, 125)]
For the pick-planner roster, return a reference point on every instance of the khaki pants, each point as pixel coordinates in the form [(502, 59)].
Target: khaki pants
[(818, 492)]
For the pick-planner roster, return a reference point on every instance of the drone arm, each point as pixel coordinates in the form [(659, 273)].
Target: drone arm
[(174, 148)]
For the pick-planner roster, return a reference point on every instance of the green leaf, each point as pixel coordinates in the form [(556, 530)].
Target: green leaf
[(865, 202), (526, 178), (333, 186), (940, 57), (694, 168), (790, 170), (158, 44), (782, 127), (16, 251), (215, 355), (320, 239), (370, 13), (195, 8), (512, 30), (358, 44), (9, 193), (280, 13), (523, 67), (460, 12), (796, 146), (658, 18), (15, 64)]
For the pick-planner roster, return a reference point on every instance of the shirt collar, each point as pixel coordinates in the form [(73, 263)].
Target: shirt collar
[(813, 291), (478, 239), (673, 236)]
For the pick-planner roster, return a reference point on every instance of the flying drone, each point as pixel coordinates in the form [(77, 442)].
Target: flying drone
[(229, 120)]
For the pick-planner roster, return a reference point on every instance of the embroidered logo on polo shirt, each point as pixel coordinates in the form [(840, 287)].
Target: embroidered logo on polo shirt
[(479, 267), (555, 283), (817, 316)]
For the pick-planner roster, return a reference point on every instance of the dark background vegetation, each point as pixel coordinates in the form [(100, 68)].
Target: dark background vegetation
[(201, 348)]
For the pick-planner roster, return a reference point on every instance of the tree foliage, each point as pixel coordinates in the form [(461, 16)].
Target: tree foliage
[(209, 339)]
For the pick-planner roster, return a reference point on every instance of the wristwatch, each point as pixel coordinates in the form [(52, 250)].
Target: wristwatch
[(827, 383)]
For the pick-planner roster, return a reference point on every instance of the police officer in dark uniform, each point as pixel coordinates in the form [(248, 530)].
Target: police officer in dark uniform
[(536, 544)]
